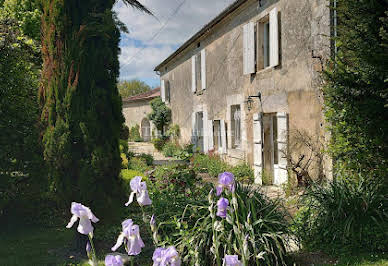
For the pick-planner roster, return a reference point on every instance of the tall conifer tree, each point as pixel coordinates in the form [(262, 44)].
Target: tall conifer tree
[(81, 107)]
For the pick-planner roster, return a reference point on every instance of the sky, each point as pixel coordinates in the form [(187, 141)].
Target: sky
[(152, 39)]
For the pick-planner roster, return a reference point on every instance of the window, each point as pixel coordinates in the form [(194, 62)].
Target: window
[(236, 125), (266, 44), (198, 71), (198, 81), (267, 40), (167, 91), (217, 135)]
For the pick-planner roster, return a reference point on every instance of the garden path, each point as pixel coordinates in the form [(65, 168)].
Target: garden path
[(148, 148)]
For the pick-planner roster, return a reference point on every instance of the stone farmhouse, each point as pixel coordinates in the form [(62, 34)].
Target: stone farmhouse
[(136, 109), (248, 78)]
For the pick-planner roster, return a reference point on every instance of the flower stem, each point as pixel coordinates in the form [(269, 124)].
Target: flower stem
[(94, 255)]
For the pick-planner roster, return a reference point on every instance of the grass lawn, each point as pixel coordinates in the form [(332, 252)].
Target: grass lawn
[(37, 246)]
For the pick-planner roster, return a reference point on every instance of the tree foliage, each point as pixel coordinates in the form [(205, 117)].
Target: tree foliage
[(132, 87), (356, 94), (81, 107), (160, 115), (20, 152), (25, 13)]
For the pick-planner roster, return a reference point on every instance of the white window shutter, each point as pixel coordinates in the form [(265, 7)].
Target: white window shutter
[(249, 48), (258, 149), (203, 68), (223, 137), (274, 37), (163, 90), (205, 132), (193, 76), (193, 130), (280, 171), (211, 135)]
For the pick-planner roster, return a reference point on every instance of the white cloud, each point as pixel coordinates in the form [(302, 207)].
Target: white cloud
[(138, 62)]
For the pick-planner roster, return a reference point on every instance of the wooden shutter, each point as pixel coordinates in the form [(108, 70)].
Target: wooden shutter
[(203, 68), (274, 37), (249, 48), (223, 136), (205, 132), (193, 75), (280, 170), (210, 134), (193, 130), (163, 90), (258, 149)]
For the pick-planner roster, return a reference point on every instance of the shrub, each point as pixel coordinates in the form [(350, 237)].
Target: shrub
[(243, 173), (159, 143), (124, 161), (138, 164), (149, 159), (134, 134), (176, 178), (255, 226), (344, 215), (211, 164), (124, 132), (170, 149), (123, 146)]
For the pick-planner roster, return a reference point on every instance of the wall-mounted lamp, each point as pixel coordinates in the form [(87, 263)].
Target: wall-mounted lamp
[(250, 100)]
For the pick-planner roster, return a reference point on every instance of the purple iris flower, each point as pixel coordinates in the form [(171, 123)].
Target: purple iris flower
[(232, 260), (112, 260), (140, 190), (131, 236), (222, 205), (85, 215), (225, 181), (166, 257)]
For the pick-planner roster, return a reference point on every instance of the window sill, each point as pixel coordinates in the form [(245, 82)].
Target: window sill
[(237, 153), (265, 70)]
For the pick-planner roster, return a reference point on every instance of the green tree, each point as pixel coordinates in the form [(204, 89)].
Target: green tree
[(160, 115), (132, 87), (19, 136), (81, 108), (356, 94), (27, 15)]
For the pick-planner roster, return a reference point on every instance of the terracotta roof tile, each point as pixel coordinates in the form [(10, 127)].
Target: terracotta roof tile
[(144, 96)]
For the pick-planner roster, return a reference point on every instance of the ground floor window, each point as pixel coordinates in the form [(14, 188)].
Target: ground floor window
[(236, 125)]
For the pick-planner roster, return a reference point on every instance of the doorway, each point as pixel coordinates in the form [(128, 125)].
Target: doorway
[(270, 147), (146, 130)]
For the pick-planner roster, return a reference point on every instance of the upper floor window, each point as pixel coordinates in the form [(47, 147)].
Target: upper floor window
[(165, 91), (198, 70), (261, 43)]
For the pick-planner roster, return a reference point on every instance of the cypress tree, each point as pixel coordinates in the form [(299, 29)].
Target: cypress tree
[(81, 114), (356, 94)]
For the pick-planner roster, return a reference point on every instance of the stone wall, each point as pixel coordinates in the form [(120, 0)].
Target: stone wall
[(293, 87)]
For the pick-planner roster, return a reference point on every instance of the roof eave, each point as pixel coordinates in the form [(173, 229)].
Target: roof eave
[(202, 31)]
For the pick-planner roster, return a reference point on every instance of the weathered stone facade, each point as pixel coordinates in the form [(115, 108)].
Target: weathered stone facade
[(290, 91), (136, 109)]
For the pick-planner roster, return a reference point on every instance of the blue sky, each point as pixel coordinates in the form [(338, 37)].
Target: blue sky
[(175, 22)]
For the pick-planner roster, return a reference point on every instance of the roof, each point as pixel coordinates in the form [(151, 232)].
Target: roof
[(149, 95), (204, 30)]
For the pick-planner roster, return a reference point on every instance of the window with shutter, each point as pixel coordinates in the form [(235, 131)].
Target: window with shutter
[(203, 68), (249, 48), (193, 75), (162, 90)]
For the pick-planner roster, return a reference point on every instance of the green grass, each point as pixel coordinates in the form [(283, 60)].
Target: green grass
[(34, 246), (364, 260)]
